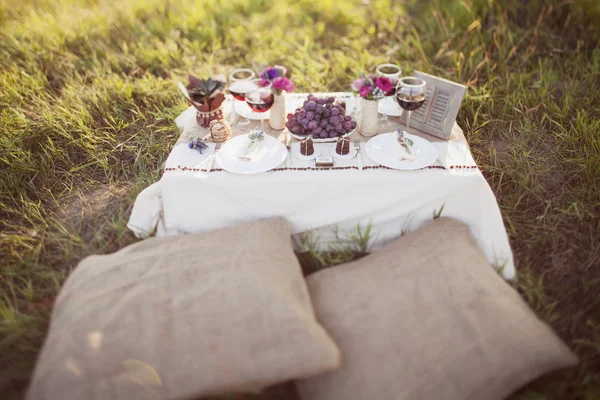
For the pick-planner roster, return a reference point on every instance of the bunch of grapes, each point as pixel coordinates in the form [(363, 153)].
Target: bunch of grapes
[(320, 118)]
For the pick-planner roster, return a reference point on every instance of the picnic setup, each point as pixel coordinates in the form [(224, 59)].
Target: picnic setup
[(214, 302)]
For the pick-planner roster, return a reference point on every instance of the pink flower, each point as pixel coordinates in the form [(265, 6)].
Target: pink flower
[(365, 91), (384, 84), (263, 82), (283, 83), (357, 84)]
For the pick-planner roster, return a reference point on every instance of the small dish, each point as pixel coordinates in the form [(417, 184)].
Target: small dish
[(296, 153)]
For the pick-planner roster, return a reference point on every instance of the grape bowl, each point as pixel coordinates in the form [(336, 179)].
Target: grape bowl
[(322, 118)]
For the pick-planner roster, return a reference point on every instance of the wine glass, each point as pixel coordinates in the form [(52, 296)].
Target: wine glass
[(392, 72), (410, 95), (261, 99), (240, 83)]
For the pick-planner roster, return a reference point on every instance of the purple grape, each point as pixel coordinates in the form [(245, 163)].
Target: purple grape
[(319, 109), (330, 100), (334, 120), (335, 111), (310, 106), (296, 129), (332, 134), (353, 124), (310, 115), (323, 123), (289, 125), (339, 128), (325, 113), (348, 118), (312, 125), (323, 135), (329, 128), (321, 101), (328, 106), (347, 125), (318, 129)]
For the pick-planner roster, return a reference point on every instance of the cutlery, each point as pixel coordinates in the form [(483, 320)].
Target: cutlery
[(288, 158), (358, 154), (211, 160)]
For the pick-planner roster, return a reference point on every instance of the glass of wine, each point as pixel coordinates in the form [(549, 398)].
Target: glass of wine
[(410, 95), (392, 72), (261, 99), (240, 83)]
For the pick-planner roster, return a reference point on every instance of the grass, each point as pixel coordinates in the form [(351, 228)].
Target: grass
[(87, 102)]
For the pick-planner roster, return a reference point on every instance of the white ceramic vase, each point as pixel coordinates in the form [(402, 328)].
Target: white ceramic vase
[(369, 114), (277, 119)]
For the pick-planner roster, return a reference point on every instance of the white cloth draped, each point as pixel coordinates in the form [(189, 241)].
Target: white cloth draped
[(325, 201)]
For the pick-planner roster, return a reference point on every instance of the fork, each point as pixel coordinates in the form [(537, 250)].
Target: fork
[(358, 154), (211, 160)]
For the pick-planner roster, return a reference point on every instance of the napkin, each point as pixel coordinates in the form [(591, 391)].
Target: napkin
[(403, 154)]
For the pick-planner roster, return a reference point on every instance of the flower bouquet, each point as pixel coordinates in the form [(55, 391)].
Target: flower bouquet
[(371, 89), (276, 75)]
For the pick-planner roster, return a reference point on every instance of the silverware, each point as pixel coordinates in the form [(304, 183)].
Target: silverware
[(211, 161), (288, 158), (358, 154)]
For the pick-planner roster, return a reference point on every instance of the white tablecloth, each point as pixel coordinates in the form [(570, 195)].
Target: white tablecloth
[(325, 203)]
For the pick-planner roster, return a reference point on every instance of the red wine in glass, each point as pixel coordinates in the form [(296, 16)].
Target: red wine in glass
[(410, 95), (410, 103), (265, 103)]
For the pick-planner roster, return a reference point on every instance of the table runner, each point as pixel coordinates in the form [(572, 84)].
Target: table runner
[(327, 203)]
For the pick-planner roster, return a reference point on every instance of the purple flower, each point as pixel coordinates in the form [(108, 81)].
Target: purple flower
[(357, 85), (270, 73), (365, 91), (283, 83), (384, 84)]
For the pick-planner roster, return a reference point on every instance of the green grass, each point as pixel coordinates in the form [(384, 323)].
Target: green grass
[(87, 102)]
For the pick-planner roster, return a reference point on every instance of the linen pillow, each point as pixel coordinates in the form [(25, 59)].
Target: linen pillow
[(427, 318), (181, 317)]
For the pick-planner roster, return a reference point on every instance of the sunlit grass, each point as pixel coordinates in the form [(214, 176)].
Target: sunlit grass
[(87, 102)]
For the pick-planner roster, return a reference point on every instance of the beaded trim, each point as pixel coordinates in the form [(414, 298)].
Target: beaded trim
[(180, 168)]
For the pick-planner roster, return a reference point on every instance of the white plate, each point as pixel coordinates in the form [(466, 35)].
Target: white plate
[(382, 149), (319, 140), (389, 106), (350, 154), (269, 154), (245, 111), (300, 156)]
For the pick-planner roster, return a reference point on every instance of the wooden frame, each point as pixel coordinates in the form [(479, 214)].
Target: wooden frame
[(442, 102)]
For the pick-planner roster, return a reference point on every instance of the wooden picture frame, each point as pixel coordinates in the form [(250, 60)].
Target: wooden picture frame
[(437, 115)]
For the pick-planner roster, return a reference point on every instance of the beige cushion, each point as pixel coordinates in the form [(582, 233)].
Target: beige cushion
[(181, 317), (426, 318)]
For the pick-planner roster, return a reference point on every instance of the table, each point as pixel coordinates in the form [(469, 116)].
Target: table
[(325, 203)]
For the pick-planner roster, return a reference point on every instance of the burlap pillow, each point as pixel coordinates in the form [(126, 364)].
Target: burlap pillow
[(181, 317), (427, 318)]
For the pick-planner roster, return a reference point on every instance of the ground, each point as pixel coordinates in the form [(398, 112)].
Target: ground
[(88, 98)]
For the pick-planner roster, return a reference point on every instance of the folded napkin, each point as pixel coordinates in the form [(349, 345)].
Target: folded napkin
[(403, 154)]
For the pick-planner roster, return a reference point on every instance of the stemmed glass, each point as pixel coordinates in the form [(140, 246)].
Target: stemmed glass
[(410, 95), (392, 72), (261, 99), (241, 81)]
